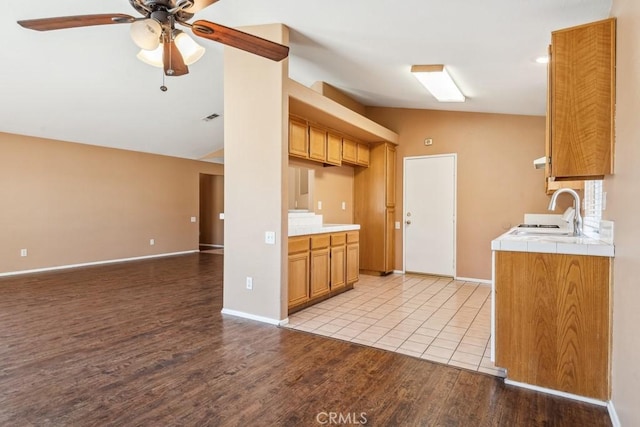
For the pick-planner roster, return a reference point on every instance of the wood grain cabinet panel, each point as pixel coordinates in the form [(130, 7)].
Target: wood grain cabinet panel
[(317, 144), (298, 138), (321, 266), (334, 149), (362, 154), (553, 321), (581, 101), (298, 265), (338, 260), (349, 151), (374, 191)]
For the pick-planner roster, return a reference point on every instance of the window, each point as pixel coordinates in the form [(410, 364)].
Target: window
[(593, 204)]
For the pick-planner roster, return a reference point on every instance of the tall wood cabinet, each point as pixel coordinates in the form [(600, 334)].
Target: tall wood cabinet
[(374, 209), (581, 102), (553, 321)]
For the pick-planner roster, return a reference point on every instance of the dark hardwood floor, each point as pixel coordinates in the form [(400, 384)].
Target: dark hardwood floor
[(144, 344)]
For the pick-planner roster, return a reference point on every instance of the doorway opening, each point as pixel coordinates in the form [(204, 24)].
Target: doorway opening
[(211, 236)]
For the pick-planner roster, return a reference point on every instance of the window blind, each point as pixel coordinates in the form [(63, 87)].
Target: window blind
[(592, 204)]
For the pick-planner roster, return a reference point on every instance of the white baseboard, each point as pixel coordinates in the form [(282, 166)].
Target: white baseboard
[(615, 421), (87, 264), (254, 317), (557, 393), (398, 271), (471, 279), (211, 246)]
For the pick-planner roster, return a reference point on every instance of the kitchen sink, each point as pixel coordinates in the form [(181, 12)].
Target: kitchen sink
[(539, 232)]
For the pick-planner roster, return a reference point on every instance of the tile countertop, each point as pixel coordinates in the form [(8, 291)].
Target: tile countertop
[(319, 229), (552, 244)]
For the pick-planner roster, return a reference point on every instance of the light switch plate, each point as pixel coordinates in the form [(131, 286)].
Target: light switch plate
[(221, 215), (319, 205), (270, 237), (193, 219)]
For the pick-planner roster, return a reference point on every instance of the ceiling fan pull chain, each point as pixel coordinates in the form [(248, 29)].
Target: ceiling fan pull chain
[(163, 87)]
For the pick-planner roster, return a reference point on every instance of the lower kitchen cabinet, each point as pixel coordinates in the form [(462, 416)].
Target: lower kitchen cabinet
[(321, 266), (338, 260), (553, 321), (298, 262), (353, 257)]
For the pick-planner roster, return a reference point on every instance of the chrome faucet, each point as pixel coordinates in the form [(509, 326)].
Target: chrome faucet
[(577, 218)]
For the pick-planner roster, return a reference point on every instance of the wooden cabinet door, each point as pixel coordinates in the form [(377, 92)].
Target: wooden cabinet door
[(353, 262), (317, 144), (389, 240), (553, 321), (349, 151), (334, 149), (390, 175), (362, 154), (320, 266), (298, 138), (582, 85), (298, 278), (338, 260)]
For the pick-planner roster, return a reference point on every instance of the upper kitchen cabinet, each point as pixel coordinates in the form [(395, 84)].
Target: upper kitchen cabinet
[(581, 102), (298, 138), (355, 153), (317, 144)]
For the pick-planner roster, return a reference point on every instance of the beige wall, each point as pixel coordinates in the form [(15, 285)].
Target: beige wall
[(332, 185), (72, 203), (496, 180), (623, 202)]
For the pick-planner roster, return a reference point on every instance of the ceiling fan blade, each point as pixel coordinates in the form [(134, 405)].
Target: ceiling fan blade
[(241, 40), (173, 62), (62, 22), (199, 5)]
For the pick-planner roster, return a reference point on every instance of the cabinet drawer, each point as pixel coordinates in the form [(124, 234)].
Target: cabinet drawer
[(298, 244), (320, 241), (353, 237), (338, 239)]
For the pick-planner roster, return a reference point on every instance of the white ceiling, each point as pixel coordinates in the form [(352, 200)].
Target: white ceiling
[(85, 84)]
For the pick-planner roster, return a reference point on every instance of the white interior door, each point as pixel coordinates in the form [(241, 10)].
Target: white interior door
[(430, 214)]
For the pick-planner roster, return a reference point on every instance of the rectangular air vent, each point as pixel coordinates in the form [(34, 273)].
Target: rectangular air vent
[(211, 117)]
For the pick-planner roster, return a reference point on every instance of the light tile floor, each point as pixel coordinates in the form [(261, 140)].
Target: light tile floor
[(433, 318)]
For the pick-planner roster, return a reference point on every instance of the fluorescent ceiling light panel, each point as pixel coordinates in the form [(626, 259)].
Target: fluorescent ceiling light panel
[(437, 81)]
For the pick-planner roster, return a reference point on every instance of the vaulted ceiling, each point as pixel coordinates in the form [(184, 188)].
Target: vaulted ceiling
[(86, 85)]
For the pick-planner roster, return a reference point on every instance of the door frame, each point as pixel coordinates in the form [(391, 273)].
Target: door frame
[(455, 207)]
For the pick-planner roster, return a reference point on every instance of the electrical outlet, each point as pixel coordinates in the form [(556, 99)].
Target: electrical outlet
[(23, 252), (221, 215), (152, 242), (344, 206), (250, 283), (193, 219), (397, 225)]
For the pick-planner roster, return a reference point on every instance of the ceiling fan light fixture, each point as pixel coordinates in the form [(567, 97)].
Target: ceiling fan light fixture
[(190, 50), (152, 57), (438, 82), (146, 33)]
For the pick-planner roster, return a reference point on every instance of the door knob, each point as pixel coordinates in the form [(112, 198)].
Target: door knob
[(408, 221)]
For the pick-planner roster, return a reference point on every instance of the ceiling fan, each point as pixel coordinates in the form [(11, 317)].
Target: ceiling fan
[(156, 32)]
